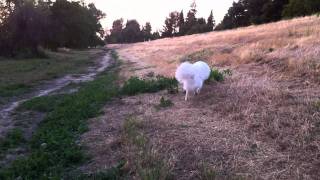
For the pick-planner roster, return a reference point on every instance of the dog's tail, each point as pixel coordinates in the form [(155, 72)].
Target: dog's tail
[(185, 72)]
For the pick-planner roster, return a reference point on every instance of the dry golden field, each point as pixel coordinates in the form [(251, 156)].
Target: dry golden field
[(291, 46), (262, 122)]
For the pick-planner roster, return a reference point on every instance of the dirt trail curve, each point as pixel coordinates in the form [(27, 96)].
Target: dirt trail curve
[(49, 87)]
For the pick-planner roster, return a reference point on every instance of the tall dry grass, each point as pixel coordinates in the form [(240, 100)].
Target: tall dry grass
[(292, 46)]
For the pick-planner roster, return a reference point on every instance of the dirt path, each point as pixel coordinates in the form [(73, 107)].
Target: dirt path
[(49, 87), (252, 125)]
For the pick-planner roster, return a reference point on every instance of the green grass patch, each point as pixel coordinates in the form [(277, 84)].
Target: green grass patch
[(53, 148), (42, 104), (136, 85), (14, 89), (12, 139), (19, 74)]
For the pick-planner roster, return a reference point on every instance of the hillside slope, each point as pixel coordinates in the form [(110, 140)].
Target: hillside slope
[(292, 46), (262, 122)]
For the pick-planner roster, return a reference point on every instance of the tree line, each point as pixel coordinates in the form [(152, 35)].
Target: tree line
[(248, 12), (175, 25), (25, 25), (131, 32)]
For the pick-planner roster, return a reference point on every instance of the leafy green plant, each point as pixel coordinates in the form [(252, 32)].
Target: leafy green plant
[(136, 85), (216, 75), (165, 102)]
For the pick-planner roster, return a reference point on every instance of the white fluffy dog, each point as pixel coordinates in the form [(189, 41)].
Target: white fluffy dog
[(192, 76)]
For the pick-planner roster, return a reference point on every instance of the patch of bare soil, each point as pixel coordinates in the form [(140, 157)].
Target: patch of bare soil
[(251, 125)]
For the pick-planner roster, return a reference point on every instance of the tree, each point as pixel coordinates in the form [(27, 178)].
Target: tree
[(27, 24), (272, 10), (171, 25), (254, 9), (132, 33), (191, 19), (181, 24), (200, 27), (156, 35), (116, 32), (297, 8), (210, 22), (237, 16), (146, 31), (23, 30)]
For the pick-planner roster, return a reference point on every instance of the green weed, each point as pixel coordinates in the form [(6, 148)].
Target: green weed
[(137, 85), (12, 139), (165, 103)]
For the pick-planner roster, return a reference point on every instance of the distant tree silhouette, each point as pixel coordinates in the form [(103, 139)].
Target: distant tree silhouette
[(191, 19), (116, 32), (297, 8), (181, 24), (272, 10), (177, 25), (171, 25), (146, 32), (210, 22), (132, 33), (248, 12), (237, 16)]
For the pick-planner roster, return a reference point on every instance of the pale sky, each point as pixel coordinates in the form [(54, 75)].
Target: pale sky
[(155, 11)]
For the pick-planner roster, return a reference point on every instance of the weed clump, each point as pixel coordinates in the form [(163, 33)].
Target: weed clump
[(216, 75), (164, 103)]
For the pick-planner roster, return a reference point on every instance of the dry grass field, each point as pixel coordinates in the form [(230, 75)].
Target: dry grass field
[(262, 122)]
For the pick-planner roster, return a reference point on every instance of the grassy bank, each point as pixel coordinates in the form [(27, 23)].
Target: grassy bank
[(54, 150), (17, 76)]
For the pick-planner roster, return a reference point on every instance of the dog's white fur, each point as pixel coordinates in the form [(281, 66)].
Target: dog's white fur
[(192, 76)]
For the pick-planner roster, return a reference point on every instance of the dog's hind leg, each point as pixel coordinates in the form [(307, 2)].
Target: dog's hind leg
[(186, 97), (198, 91)]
